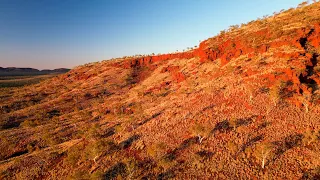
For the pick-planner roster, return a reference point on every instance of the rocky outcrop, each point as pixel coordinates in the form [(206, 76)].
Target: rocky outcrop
[(305, 39), (225, 50), (148, 60), (175, 72)]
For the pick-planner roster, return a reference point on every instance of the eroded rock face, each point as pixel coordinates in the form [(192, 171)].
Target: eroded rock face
[(301, 74), (225, 50), (301, 77), (149, 60), (177, 76)]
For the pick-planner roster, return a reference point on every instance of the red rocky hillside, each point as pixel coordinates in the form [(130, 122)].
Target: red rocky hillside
[(245, 104)]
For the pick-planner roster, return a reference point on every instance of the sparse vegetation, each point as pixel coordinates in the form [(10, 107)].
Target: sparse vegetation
[(275, 92), (237, 106), (310, 137), (155, 150), (263, 152), (233, 123), (201, 131)]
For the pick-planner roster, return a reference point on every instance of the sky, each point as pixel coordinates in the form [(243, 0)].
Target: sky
[(48, 34)]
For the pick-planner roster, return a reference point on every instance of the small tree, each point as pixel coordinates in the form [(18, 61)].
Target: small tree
[(200, 131), (223, 32), (233, 27), (250, 90), (262, 152), (118, 128), (275, 92), (232, 147), (93, 132), (303, 4), (305, 100), (233, 123), (310, 137), (131, 166), (155, 150), (96, 148)]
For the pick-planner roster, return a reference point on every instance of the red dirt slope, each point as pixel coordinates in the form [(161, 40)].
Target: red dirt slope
[(244, 105)]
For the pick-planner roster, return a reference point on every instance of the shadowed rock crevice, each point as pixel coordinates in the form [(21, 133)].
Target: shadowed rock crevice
[(114, 171), (166, 175), (149, 119), (225, 126), (185, 144), (305, 77), (284, 145), (127, 143), (311, 174), (205, 154), (110, 131), (249, 143), (16, 154)]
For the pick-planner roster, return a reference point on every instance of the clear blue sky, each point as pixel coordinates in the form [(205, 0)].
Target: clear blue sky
[(66, 33)]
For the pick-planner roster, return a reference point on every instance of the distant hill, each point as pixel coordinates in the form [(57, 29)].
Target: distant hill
[(14, 71)]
